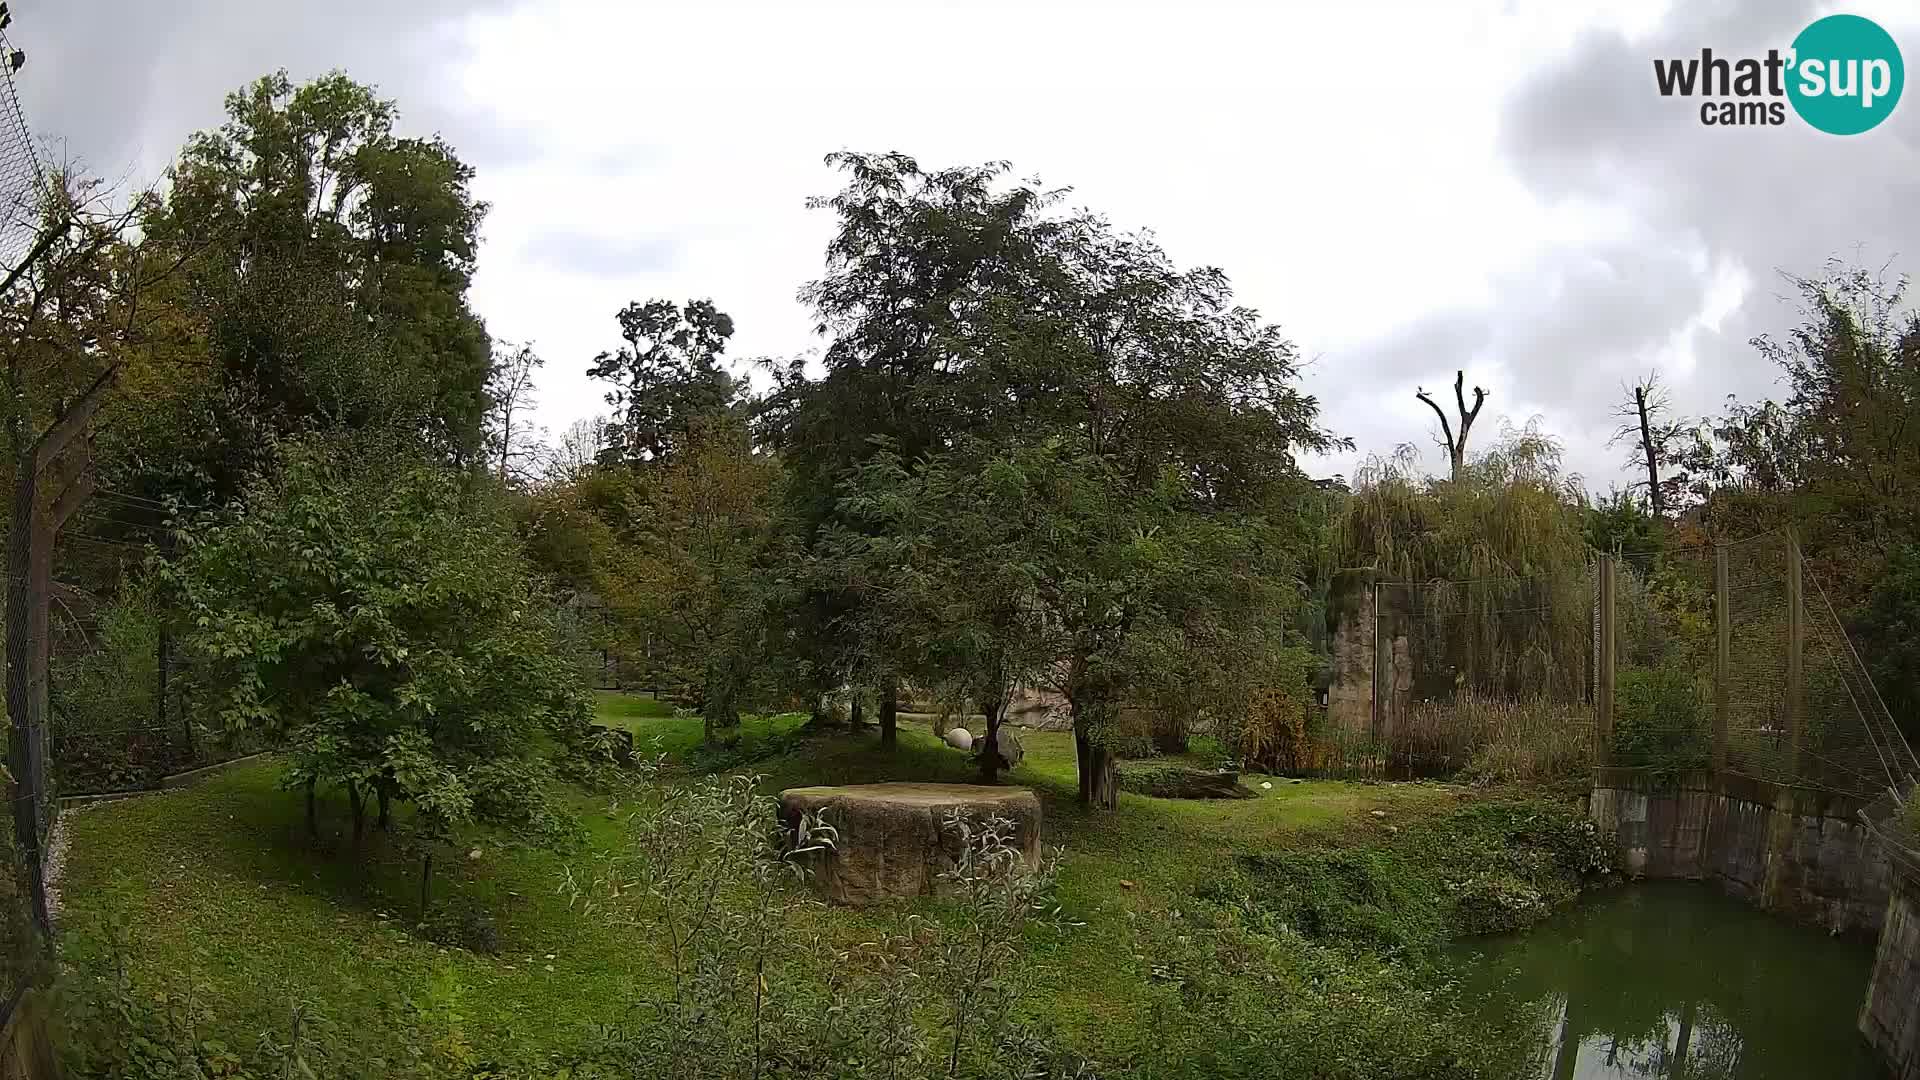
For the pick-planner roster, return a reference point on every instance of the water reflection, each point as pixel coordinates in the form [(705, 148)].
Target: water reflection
[(1675, 980)]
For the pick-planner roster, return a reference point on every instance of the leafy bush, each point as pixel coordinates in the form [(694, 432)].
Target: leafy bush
[(368, 609), (1273, 735), (1487, 867), (1660, 720), (1889, 630), (708, 874)]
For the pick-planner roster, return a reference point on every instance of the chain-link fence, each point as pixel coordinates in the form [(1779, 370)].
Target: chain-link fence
[(1699, 656), (1729, 656), (23, 180), (123, 708), (23, 187), (1435, 677)]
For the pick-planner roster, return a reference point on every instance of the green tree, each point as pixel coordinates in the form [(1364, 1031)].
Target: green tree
[(926, 275), (370, 608), (1490, 569), (331, 290), (942, 556), (687, 575), (959, 304), (667, 376)]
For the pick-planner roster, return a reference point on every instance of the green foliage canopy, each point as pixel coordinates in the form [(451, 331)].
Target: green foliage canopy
[(368, 607)]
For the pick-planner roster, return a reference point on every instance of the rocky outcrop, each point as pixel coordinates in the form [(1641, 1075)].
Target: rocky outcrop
[(1169, 780), (893, 838)]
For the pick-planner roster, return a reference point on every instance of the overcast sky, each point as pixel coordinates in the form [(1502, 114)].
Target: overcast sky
[(1405, 188)]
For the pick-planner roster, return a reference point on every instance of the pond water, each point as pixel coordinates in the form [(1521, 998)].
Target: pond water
[(1677, 980)]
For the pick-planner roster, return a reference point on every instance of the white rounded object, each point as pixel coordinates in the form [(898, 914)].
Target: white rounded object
[(960, 738)]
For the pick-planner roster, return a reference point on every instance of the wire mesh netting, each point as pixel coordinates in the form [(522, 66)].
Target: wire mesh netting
[(1795, 702), (1723, 655), (23, 179), (1664, 658), (1852, 743), (22, 892), (126, 709), (1488, 674)]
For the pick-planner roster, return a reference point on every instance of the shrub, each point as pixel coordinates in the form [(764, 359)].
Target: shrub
[(709, 870), (1660, 720), (1273, 735), (1487, 867)]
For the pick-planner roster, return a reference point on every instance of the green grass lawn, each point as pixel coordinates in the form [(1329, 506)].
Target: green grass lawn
[(217, 885)]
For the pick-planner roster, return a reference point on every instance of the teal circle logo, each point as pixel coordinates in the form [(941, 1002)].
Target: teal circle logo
[(1846, 74)]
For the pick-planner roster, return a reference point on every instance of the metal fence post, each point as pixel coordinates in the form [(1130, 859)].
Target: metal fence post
[(1373, 719), (1603, 679), (1723, 660), (1796, 650)]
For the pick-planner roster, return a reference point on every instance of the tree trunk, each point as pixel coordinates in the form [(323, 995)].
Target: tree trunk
[(313, 810), (357, 799), (1170, 734), (889, 713), (426, 883), (996, 712), (1654, 496), (1682, 1042), (720, 718), (856, 712), (386, 807), (1099, 772)]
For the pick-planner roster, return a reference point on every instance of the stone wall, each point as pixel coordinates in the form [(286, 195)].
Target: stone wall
[(1800, 853), (1890, 1017), (1350, 694)]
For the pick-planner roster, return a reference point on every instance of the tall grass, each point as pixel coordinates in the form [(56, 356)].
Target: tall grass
[(1473, 737)]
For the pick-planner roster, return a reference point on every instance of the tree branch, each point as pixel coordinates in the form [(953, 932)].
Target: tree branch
[(1446, 429), (73, 420), (1467, 416)]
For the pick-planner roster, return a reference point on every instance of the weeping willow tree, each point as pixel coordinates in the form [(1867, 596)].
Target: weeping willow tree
[(1487, 579)]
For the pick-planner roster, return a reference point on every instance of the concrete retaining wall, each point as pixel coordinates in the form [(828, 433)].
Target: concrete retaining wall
[(1890, 1018), (1801, 853)]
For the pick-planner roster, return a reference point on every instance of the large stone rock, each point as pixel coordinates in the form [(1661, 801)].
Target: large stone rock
[(894, 841), (1171, 780)]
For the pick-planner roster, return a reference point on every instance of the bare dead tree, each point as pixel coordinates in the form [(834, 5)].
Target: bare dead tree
[(511, 391), (1647, 424), (576, 451), (1456, 445)]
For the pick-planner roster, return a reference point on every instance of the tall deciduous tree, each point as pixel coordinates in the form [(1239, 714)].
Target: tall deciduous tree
[(364, 604), (667, 376), (333, 291), (942, 554), (925, 275), (959, 305), (688, 574), (511, 435)]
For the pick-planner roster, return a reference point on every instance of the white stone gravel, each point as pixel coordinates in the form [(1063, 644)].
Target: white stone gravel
[(56, 860)]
